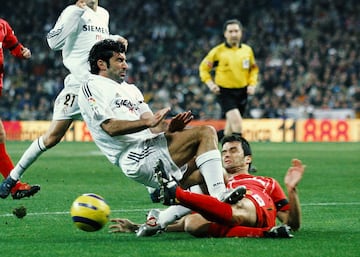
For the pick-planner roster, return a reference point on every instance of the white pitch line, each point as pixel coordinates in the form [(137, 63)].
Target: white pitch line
[(145, 210), (67, 212), (329, 204)]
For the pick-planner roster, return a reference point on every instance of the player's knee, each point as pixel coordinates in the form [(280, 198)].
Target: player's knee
[(194, 224), (233, 115), (208, 131)]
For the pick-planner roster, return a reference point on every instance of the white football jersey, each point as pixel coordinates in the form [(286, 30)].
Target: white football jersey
[(75, 32), (101, 99)]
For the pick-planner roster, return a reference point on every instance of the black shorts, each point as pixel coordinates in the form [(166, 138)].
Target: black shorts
[(233, 98)]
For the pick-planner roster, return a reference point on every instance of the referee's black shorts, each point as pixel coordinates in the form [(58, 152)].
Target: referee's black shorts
[(233, 98)]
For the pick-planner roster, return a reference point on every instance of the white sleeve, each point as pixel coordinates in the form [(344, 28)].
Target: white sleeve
[(65, 25)]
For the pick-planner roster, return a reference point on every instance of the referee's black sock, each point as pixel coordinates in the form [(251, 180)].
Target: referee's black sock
[(220, 134)]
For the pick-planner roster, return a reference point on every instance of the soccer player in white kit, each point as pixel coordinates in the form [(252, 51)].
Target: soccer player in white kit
[(77, 29), (132, 137)]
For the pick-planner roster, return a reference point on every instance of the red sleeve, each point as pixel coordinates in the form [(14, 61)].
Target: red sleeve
[(11, 42), (279, 197)]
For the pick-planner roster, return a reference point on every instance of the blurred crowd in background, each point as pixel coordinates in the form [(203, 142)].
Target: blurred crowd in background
[(307, 52)]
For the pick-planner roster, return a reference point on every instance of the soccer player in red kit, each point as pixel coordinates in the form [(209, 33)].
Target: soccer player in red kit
[(251, 213), (8, 40), (255, 214)]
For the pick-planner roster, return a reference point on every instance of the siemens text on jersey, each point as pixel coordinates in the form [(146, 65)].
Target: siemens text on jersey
[(126, 103), (93, 28)]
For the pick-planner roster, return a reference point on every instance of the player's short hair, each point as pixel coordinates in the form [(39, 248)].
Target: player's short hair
[(237, 138), (232, 21), (104, 50)]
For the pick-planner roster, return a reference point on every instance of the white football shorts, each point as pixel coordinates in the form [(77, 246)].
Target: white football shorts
[(138, 162), (66, 103)]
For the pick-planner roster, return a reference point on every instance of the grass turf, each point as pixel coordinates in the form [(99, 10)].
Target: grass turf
[(328, 192)]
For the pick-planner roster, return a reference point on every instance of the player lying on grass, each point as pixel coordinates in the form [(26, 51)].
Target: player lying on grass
[(254, 215)]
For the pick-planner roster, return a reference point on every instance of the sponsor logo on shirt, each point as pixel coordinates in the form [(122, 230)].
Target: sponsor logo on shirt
[(92, 28), (119, 102)]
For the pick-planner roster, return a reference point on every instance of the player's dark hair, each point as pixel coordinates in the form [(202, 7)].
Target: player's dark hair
[(238, 138), (104, 50), (232, 21)]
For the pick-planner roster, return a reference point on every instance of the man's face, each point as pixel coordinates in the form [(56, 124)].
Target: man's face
[(92, 3), (232, 155), (118, 67), (233, 34)]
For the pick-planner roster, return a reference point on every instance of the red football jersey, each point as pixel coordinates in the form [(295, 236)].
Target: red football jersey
[(9, 41), (265, 184)]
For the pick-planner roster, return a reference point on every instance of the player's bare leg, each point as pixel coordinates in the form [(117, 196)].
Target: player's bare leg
[(233, 122), (52, 137)]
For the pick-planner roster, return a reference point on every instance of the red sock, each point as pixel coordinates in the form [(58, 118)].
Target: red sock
[(209, 207), (6, 165)]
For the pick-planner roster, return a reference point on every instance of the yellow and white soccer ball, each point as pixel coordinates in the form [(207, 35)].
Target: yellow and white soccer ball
[(90, 212)]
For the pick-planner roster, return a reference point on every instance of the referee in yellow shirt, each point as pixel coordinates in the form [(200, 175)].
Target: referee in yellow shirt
[(235, 77)]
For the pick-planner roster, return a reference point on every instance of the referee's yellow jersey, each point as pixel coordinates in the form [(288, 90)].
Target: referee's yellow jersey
[(235, 67)]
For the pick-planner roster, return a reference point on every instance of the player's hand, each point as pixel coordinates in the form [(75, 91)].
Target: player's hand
[(81, 3), (158, 117), (122, 226), (26, 53), (180, 121), (294, 174), (123, 41), (251, 90)]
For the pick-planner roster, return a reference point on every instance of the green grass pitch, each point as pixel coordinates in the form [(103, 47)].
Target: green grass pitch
[(329, 194)]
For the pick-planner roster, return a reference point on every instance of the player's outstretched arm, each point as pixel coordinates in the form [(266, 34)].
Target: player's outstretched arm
[(294, 174), (292, 178), (121, 225), (65, 25), (115, 127)]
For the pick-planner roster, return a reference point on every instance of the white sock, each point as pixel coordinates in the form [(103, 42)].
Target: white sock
[(196, 189), (36, 148), (175, 212), (172, 213), (210, 167)]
